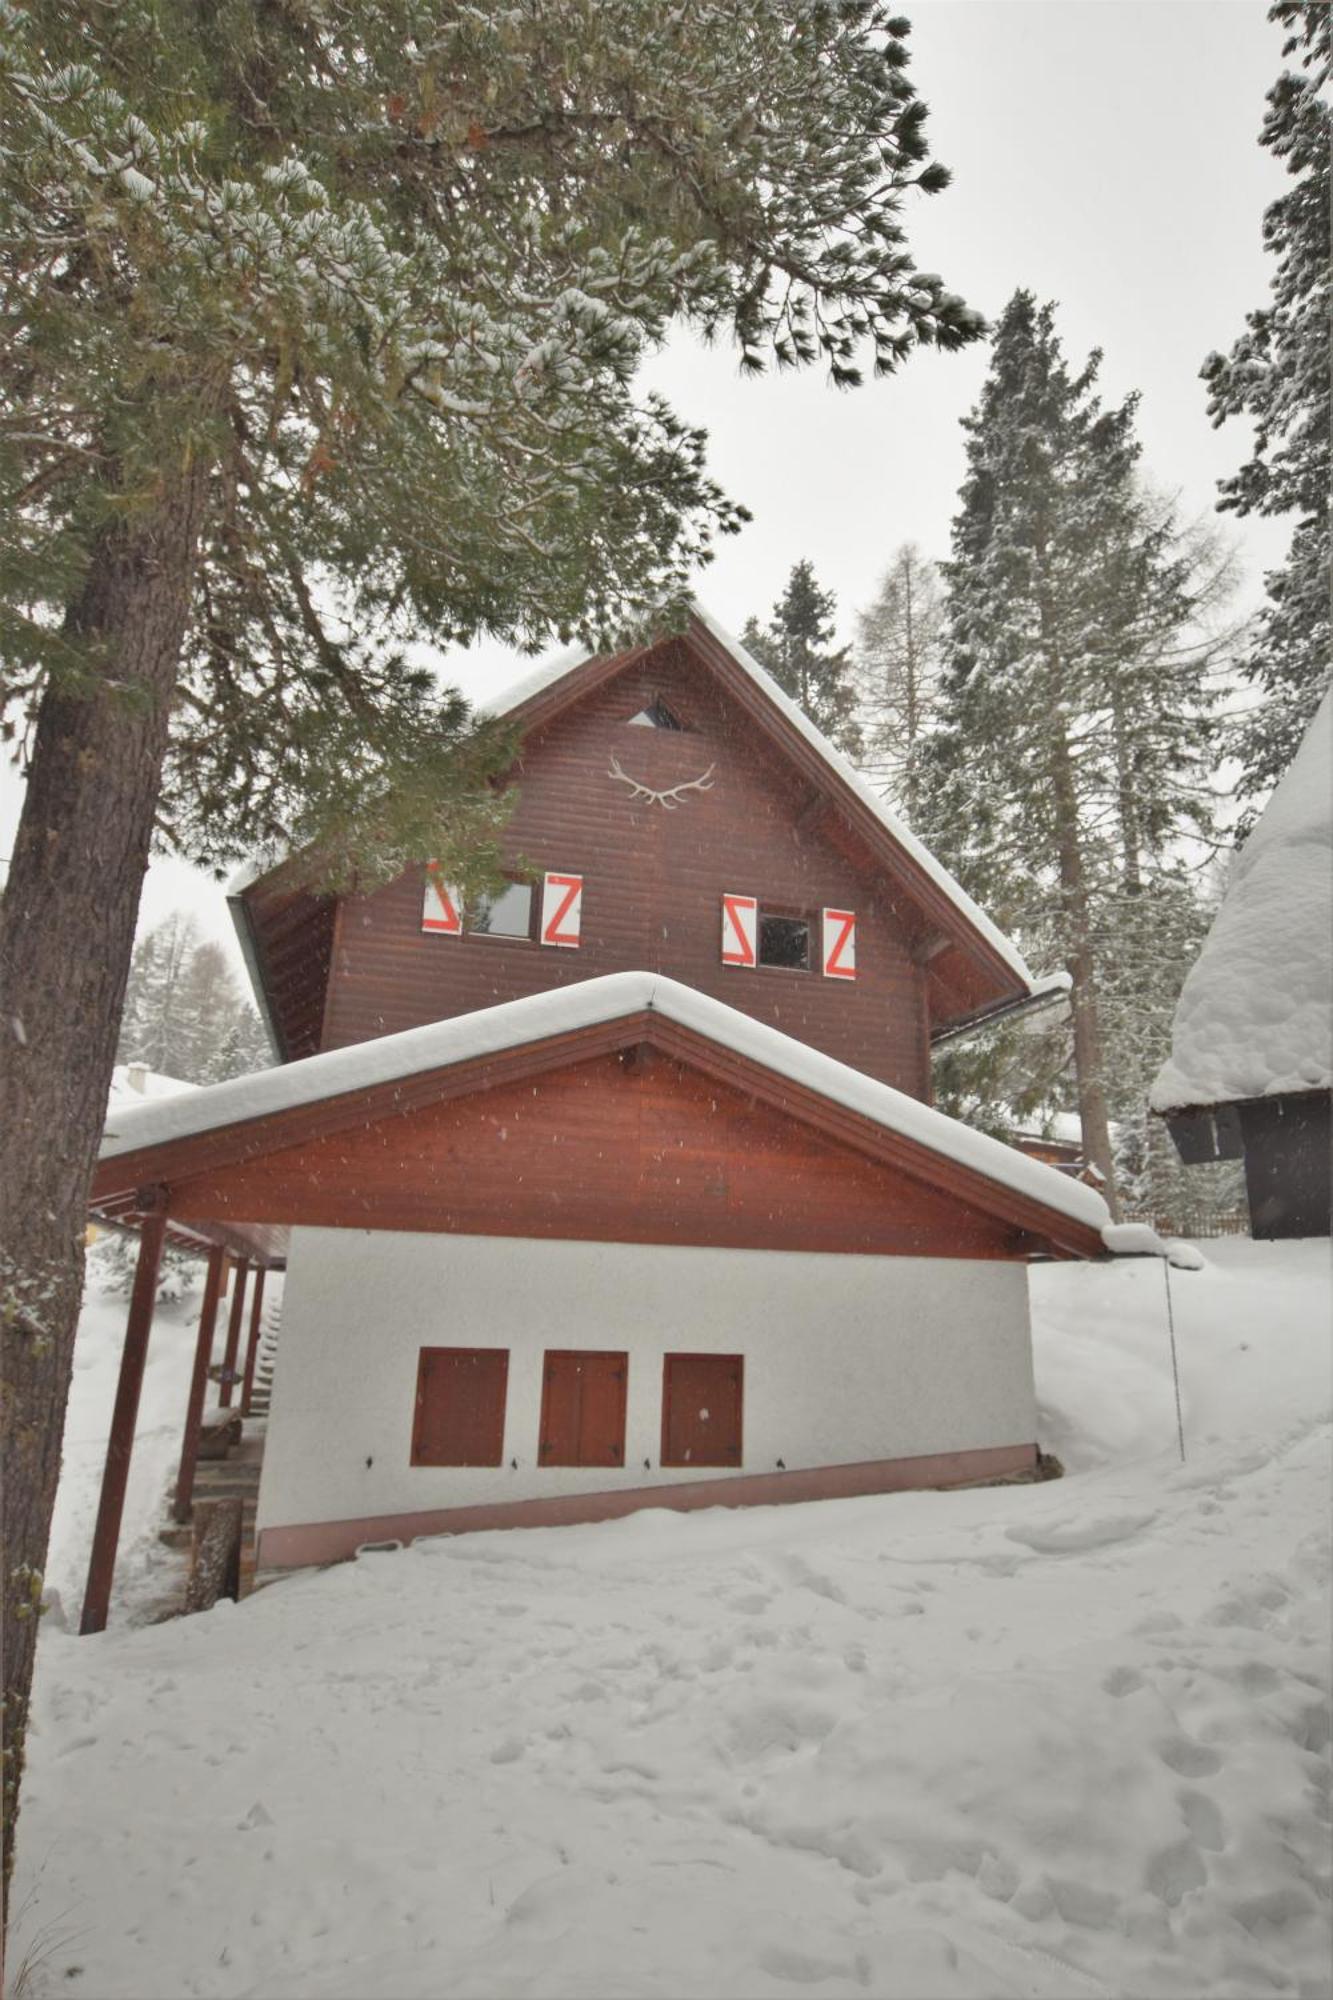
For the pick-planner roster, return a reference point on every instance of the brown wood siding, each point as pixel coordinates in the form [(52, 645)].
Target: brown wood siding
[(583, 1407), (293, 933), (653, 883), (702, 1401), (460, 1408), (617, 1148)]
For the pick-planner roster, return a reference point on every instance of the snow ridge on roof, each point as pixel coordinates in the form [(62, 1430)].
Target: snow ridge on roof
[(589, 1002), (554, 670), (1255, 1015)]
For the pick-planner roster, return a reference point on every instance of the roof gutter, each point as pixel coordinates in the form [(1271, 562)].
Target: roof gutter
[(1047, 992)]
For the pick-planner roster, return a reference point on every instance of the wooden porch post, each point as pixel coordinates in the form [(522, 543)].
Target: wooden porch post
[(252, 1351), (102, 1562), (194, 1410), (233, 1335)]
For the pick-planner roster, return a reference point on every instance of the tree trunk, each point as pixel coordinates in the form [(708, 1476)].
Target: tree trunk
[(1088, 1049), (911, 706), (66, 934), (1127, 806)]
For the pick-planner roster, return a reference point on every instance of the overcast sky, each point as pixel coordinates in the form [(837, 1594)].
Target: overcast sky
[(1104, 155)]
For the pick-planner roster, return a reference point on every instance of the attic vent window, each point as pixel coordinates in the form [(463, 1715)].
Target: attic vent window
[(656, 716)]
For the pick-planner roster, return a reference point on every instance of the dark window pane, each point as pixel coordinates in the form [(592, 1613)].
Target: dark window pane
[(507, 915), (784, 941)]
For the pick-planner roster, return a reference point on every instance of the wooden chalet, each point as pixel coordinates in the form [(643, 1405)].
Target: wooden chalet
[(622, 1187)]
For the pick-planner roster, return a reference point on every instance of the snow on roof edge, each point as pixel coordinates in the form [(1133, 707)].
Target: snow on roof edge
[(555, 669), (888, 819), (492, 1030)]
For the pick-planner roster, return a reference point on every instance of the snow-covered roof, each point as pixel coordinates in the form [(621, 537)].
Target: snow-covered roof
[(589, 1002), (553, 670), (135, 1083), (1255, 1016)]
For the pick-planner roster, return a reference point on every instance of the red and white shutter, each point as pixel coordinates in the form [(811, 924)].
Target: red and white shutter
[(840, 944), (442, 905), (740, 928), (562, 910)]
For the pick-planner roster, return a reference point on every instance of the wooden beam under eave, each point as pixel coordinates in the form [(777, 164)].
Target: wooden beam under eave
[(252, 1351), (233, 1346), (194, 1408), (120, 1444)]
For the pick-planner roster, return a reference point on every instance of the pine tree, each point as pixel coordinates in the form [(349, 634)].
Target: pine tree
[(321, 327), (244, 1048), (1074, 745), (797, 649), (1278, 375), (897, 669), (185, 1014), (157, 971)]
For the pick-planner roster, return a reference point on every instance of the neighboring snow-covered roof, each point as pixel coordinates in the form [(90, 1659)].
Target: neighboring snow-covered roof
[(554, 670), (390, 1058), (135, 1083), (1255, 1016)]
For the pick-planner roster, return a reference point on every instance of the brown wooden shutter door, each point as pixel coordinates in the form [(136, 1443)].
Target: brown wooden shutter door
[(602, 1425), (460, 1412), (702, 1409), (583, 1408), (560, 1411)]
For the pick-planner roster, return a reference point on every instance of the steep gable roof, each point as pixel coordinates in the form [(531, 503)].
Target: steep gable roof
[(971, 969), (564, 679)]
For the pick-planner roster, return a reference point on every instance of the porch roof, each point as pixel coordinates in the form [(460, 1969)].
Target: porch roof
[(150, 1144)]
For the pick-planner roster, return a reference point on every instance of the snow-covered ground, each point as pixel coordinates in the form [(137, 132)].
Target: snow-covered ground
[(145, 1570), (1047, 1741)]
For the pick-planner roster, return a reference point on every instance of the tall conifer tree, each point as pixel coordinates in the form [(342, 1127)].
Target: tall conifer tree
[(797, 648), (1074, 740), (899, 639), (1278, 375)]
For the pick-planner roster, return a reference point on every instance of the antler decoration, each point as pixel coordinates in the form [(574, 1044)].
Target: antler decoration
[(669, 799)]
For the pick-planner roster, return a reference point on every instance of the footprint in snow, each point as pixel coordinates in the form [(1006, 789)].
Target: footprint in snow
[(1205, 1822), (1122, 1681), (1274, 1910), (1188, 1758), (798, 1970), (1173, 1871), (1079, 1537)]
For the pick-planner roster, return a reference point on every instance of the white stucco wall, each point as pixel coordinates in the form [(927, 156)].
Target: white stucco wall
[(847, 1359)]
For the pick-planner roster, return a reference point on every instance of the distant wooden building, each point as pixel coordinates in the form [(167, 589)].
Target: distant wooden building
[(1252, 1050), (622, 1187)]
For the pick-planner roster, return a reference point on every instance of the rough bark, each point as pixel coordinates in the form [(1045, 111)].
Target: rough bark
[(66, 933), (1127, 806)]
